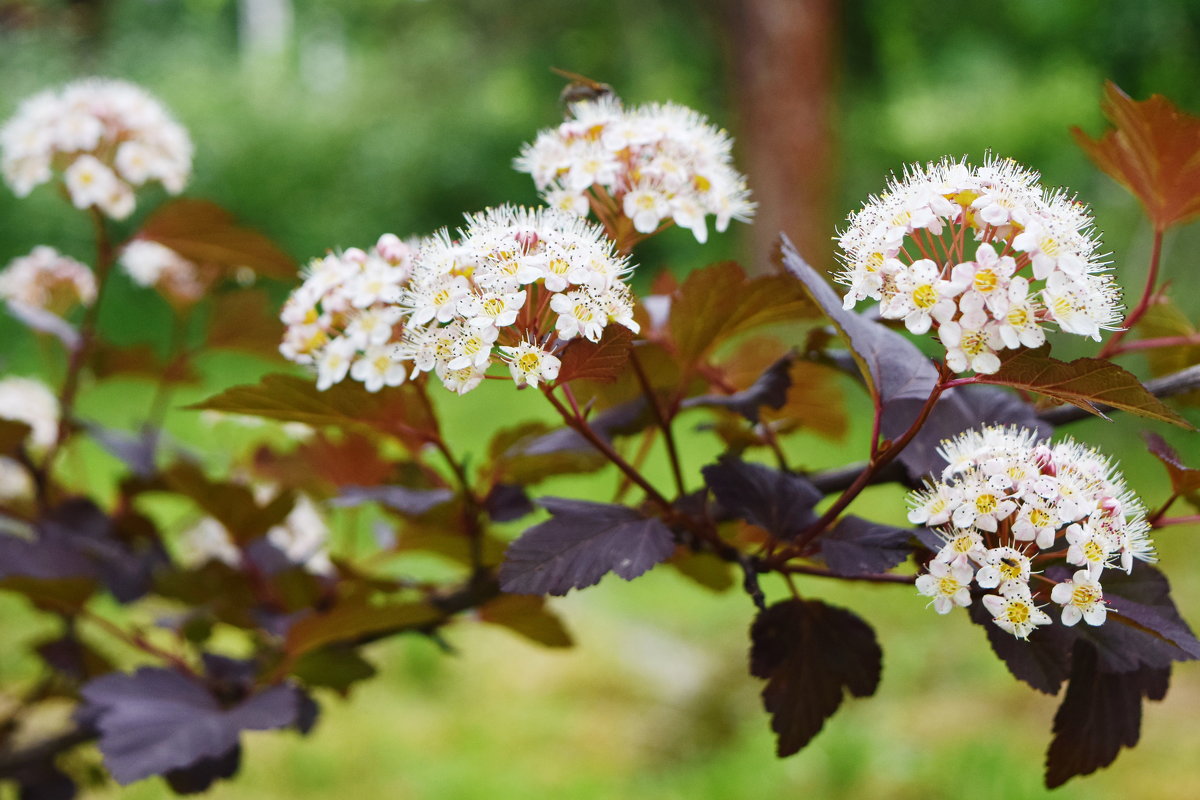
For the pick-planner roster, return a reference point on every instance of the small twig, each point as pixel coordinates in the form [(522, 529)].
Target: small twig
[(1143, 305), (659, 417)]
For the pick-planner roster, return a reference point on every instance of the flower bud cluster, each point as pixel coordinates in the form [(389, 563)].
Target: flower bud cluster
[(1009, 504), (984, 256), (510, 288), (653, 163), (157, 266), (105, 137), (46, 280)]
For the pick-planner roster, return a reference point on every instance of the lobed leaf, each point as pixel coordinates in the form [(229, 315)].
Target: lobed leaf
[(718, 302), (810, 654), (1100, 713), (245, 320), (1153, 151), (856, 546), (599, 361), (158, 720), (1043, 661), (580, 544), (1088, 383), (778, 502), (899, 376), (203, 232)]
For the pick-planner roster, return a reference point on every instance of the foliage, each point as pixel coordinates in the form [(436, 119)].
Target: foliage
[(261, 575)]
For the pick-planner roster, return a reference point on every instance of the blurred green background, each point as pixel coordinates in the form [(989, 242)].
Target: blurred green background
[(326, 123)]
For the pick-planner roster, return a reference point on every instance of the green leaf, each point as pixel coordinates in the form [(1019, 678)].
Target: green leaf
[(334, 667), (59, 595), (203, 232), (396, 411), (1085, 382)]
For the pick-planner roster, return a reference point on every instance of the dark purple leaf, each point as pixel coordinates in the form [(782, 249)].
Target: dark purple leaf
[(1043, 661), (956, 411), (895, 370), (507, 502), (204, 773), (1100, 714), (810, 654), (156, 720), (778, 502), (406, 500), (770, 390), (579, 544), (1147, 630), (857, 546), (44, 781), (74, 658)]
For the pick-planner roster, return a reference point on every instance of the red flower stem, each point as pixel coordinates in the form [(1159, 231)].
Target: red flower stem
[(1143, 305), (576, 422), (1191, 519), (1153, 344)]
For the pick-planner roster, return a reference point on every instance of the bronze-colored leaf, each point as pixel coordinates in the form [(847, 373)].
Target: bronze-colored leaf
[(1085, 382), (528, 616), (203, 232), (140, 360), (396, 411), (719, 302), (1164, 320), (599, 361), (245, 320), (1184, 479), (1154, 152), (12, 435), (355, 619)]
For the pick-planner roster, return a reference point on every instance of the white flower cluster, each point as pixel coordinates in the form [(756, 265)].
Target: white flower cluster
[(1007, 505), (982, 254), (29, 401), (302, 537), (154, 265), (652, 163), (511, 287), (47, 280), (105, 136), (345, 318)]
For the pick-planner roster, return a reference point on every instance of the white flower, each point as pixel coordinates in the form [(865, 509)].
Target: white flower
[(303, 537), (528, 363), (578, 315), (378, 367), (1081, 598), (47, 280), (208, 541), (1005, 567), (948, 585), (1016, 612)]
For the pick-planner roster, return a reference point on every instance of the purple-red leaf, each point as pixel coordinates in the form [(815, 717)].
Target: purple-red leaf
[(599, 361), (158, 720), (778, 502), (528, 616), (899, 376), (203, 232), (810, 654), (1085, 382), (1154, 152), (580, 544), (245, 320), (406, 500), (1100, 714), (1043, 661), (857, 546)]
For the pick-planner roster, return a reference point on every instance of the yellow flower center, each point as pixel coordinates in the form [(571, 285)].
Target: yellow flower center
[(528, 362), (925, 296), (559, 266), (493, 306), (986, 503), (441, 297), (1039, 518), (1010, 569), (986, 280), (948, 585), (1084, 596), (582, 312), (1018, 317), (1093, 551), (1050, 246), (1017, 612)]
